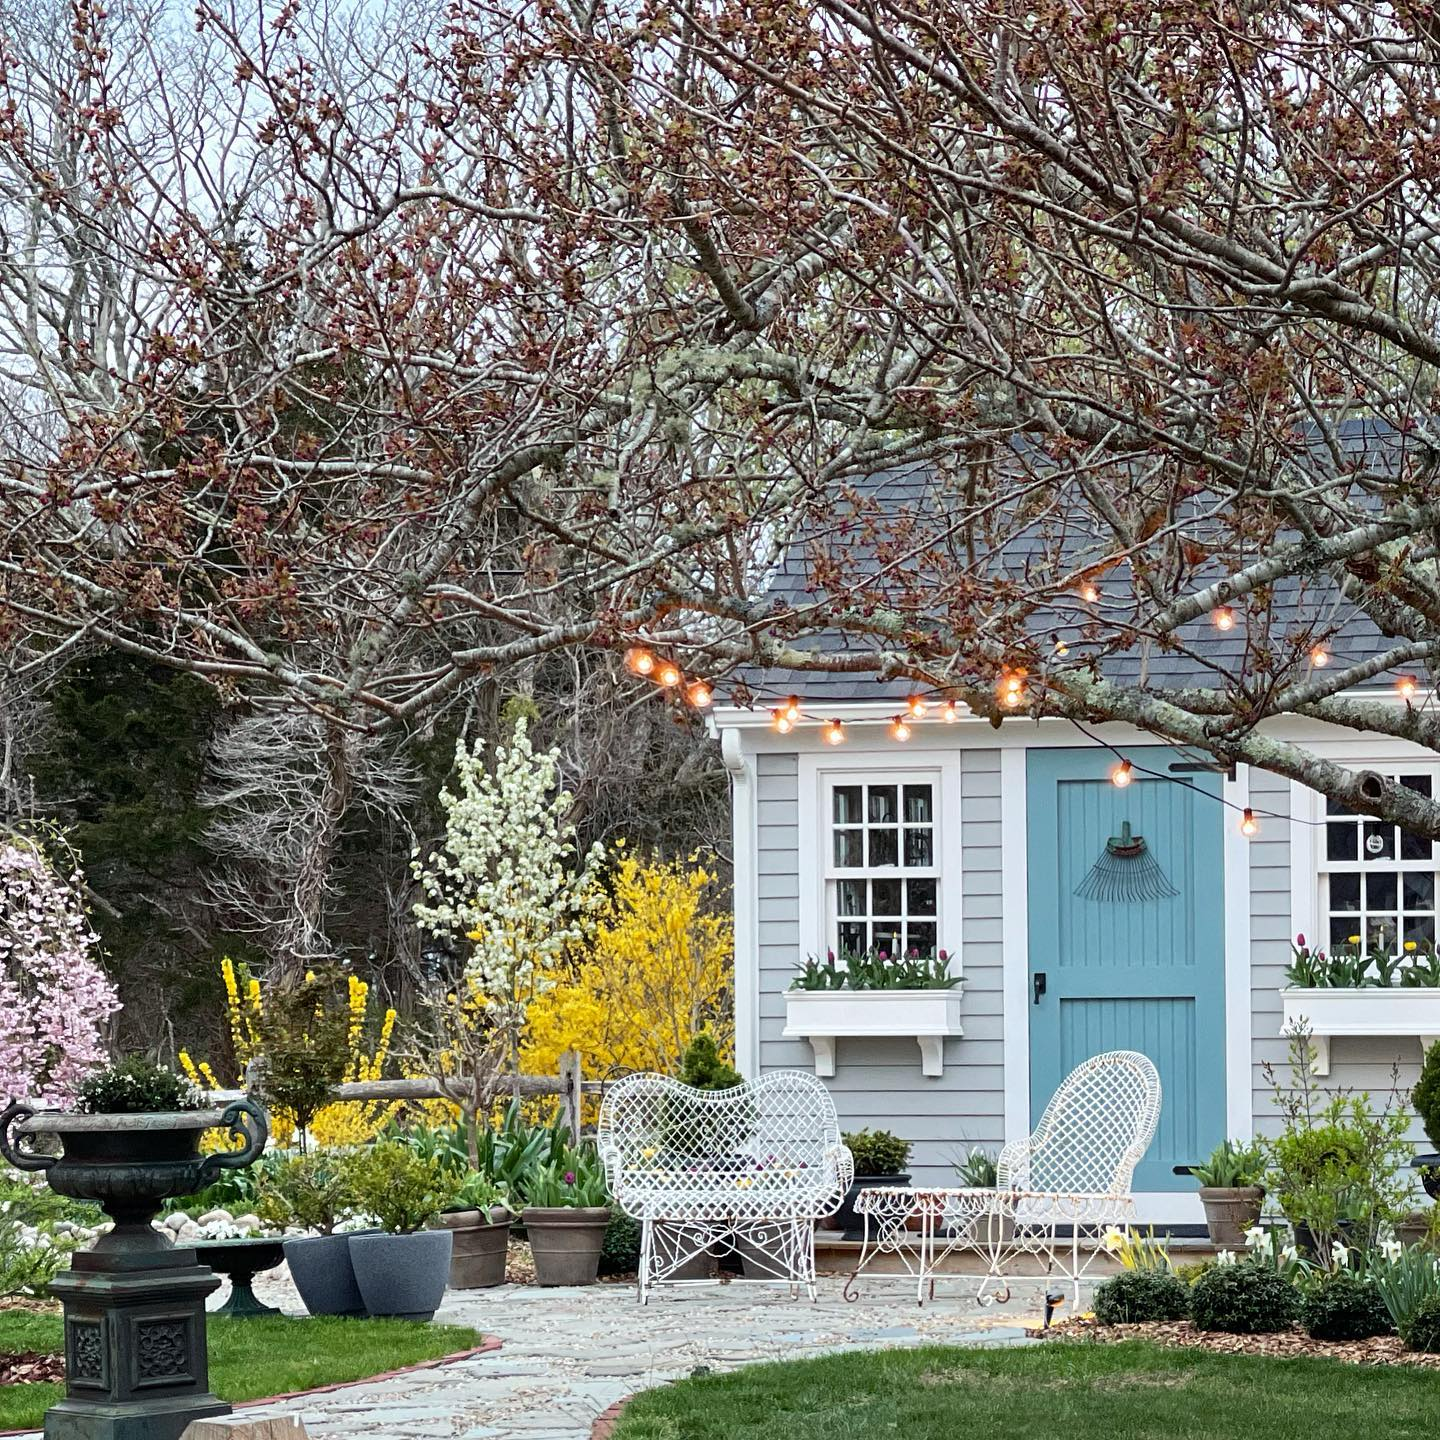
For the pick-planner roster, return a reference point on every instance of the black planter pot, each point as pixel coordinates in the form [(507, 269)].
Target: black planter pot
[(1428, 1165), (1308, 1244), (402, 1277), (845, 1217), (323, 1274)]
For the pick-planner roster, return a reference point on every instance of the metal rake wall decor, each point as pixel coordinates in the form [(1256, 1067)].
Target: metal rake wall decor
[(1126, 871)]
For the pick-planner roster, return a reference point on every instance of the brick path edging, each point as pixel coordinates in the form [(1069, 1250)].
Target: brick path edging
[(607, 1420), (490, 1343)]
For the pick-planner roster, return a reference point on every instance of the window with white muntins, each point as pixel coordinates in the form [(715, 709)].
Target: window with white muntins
[(882, 875), (1377, 880)]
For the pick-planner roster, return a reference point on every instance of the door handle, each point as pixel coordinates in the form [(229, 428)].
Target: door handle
[(1038, 984)]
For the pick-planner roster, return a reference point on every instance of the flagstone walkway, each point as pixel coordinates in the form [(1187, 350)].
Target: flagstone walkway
[(569, 1354)]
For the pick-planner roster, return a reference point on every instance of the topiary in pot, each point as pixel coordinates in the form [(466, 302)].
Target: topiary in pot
[(1243, 1299), (1426, 1099), (313, 1192), (1422, 1330), (1136, 1297), (1344, 1306), (879, 1160)]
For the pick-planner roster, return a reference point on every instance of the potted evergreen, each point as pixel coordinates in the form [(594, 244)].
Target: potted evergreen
[(402, 1270), (479, 1219), (566, 1218), (313, 1193), (1231, 1192), (1426, 1099), (880, 1159)]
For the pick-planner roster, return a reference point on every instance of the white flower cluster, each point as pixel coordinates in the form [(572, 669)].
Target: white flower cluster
[(507, 877), (213, 1225)]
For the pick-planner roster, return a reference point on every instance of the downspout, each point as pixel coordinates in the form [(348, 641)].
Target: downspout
[(745, 849)]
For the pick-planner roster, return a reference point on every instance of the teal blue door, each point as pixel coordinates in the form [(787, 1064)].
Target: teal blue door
[(1110, 972)]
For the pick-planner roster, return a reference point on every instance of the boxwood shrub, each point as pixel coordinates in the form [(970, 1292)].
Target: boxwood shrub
[(1243, 1299), (1136, 1296), (1422, 1331), (1342, 1306)]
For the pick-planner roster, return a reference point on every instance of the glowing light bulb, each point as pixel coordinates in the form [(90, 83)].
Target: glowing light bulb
[(916, 706), (791, 708), (834, 733), (1222, 617), (1319, 657), (1122, 774), (668, 673), (639, 661), (1249, 825), (782, 722), (1012, 688), (1089, 593), (699, 693), (1405, 686), (899, 728), (950, 712), (1061, 648)]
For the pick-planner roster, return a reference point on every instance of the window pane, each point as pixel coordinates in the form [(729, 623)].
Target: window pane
[(1420, 784), (1420, 890), (1420, 929), (1379, 841), (917, 804), (1380, 932), (921, 937), (1413, 847), (921, 894), (1340, 841), (889, 937), (1380, 890), (882, 805), (1344, 892), (850, 848), (1334, 807), (884, 848), (885, 897), (852, 897), (852, 935), (919, 848), (847, 805), (1344, 930)]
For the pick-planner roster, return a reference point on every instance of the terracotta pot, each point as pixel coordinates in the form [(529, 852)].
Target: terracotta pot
[(1230, 1212), (1414, 1229), (566, 1242), (477, 1259)]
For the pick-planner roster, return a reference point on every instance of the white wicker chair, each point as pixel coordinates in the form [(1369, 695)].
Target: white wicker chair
[(756, 1165)]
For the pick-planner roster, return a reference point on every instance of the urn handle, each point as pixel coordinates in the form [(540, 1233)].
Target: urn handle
[(255, 1134), (16, 1113)]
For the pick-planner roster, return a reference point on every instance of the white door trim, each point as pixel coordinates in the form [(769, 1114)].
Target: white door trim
[(1239, 1093), (1015, 941), (746, 867)]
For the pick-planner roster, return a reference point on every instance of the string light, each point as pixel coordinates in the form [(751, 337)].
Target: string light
[(1088, 593), (950, 712), (916, 706), (639, 661), (1061, 648), (1122, 774), (1012, 688), (699, 693), (1319, 657), (791, 709), (834, 732), (781, 721), (900, 728), (1249, 825), (1405, 686), (1222, 617), (668, 674)]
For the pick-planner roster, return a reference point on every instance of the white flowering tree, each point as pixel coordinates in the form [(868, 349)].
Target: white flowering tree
[(509, 880)]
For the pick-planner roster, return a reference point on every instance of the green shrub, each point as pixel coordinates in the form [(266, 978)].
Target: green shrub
[(1136, 1296), (1192, 1270), (1243, 1299), (1426, 1095), (1344, 1306), (702, 1068), (136, 1087), (402, 1190), (313, 1192), (620, 1250), (877, 1152), (1423, 1331)]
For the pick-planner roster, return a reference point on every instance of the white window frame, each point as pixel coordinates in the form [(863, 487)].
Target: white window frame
[(818, 776)]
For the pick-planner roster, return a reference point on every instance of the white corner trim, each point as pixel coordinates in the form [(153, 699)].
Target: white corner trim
[(1015, 943), (1239, 1090), (745, 842)]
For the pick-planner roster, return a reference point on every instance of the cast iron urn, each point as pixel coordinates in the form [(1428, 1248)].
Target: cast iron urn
[(135, 1359)]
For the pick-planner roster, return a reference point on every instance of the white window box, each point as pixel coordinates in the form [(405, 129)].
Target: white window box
[(1375, 1010), (822, 1016)]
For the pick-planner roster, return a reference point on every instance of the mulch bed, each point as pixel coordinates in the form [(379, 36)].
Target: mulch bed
[(30, 1367), (1284, 1344)]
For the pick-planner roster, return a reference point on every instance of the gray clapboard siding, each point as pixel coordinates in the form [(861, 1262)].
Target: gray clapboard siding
[(878, 1083)]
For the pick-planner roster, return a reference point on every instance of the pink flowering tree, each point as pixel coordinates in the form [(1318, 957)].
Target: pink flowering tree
[(55, 1000)]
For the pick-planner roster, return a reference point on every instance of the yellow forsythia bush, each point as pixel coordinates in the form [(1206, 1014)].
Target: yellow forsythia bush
[(347, 1122), (659, 968)]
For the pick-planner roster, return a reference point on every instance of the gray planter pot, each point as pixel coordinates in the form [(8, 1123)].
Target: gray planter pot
[(1230, 1212), (320, 1267), (477, 1259), (402, 1277), (565, 1242)]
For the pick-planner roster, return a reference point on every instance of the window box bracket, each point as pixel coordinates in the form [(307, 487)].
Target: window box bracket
[(1375, 1010)]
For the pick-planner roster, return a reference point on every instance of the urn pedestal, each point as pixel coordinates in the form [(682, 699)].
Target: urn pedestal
[(135, 1358)]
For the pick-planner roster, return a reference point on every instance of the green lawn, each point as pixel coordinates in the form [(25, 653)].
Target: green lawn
[(253, 1358), (1049, 1391)]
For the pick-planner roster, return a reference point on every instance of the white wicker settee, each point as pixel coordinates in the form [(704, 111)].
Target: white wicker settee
[(754, 1166)]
